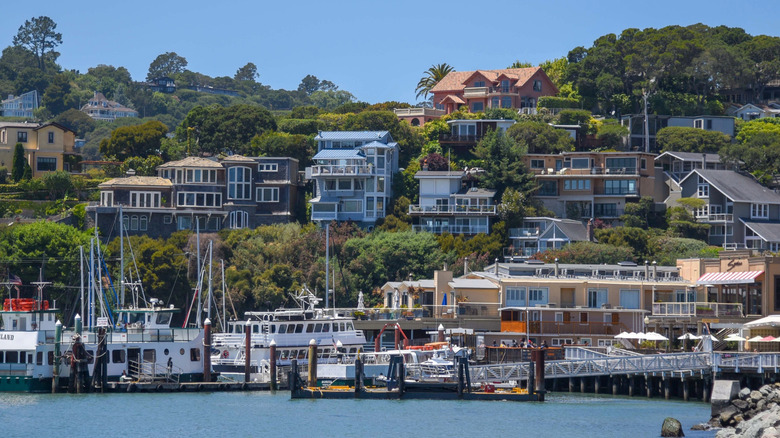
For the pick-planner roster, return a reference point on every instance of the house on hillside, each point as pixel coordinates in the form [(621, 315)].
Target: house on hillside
[(465, 134), (636, 126), (538, 234), (752, 111), (478, 90), (146, 203), (23, 105), (741, 212), (100, 108), (449, 204), (353, 175), (48, 147)]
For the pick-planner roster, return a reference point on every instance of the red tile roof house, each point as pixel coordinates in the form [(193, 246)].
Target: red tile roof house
[(482, 89)]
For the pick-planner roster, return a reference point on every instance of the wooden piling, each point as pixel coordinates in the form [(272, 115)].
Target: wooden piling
[(55, 381), (539, 372), (615, 384), (312, 363), (596, 384), (685, 389), (247, 350), (631, 385), (667, 388), (272, 368), (583, 384), (571, 384)]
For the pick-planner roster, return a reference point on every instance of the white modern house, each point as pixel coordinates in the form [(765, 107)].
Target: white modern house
[(450, 204), (353, 175)]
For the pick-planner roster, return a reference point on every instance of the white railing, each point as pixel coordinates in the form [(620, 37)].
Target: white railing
[(418, 112), (452, 209), (717, 217), (698, 309), (521, 233), (752, 361), (475, 91), (326, 169), (452, 229)]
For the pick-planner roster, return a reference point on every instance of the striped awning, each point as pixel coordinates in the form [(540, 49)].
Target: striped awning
[(729, 277)]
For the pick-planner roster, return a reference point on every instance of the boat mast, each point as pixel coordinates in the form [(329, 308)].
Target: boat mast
[(327, 262), (224, 312), (92, 285), (208, 301), (81, 276), (197, 288), (121, 260)]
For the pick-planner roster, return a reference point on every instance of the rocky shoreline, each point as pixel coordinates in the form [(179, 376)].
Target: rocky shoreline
[(753, 414)]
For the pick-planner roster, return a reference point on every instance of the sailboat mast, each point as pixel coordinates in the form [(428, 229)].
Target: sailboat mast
[(224, 311), (92, 286), (197, 289), (327, 262), (81, 276), (121, 260), (208, 301)]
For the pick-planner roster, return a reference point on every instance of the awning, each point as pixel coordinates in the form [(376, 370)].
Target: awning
[(729, 277)]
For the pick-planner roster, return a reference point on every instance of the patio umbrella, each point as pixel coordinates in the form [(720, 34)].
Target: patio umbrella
[(653, 336), (714, 339), (768, 339), (756, 339), (688, 337), (734, 338), (623, 335)]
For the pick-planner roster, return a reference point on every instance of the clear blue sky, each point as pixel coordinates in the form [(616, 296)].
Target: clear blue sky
[(376, 50)]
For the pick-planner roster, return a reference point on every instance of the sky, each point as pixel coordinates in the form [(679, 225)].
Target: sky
[(375, 50)]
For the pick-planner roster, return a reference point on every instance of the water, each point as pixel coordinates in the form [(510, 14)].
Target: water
[(264, 414)]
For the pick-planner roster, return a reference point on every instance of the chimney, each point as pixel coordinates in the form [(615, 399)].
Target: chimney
[(465, 265), (704, 160), (647, 270), (495, 267)]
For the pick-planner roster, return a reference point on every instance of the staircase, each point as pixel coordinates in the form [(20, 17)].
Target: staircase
[(153, 372)]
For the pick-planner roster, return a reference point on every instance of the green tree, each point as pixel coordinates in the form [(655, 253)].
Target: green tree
[(143, 166), (39, 36), (588, 252), (683, 139), (310, 84), (17, 169), (134, 141), (431, 77), (54, 98), (217, 129), (166, 64), (519, 64), (281, 144), (247, 73), (501, 157), (630, 237), (57, 183), (541, 138), (612, 135), (77, 121)]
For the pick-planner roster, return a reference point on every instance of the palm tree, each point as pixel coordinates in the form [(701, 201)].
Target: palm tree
[(432, 77)]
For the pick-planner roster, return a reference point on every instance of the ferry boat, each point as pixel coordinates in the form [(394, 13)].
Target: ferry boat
[(146, 347), (291, 330)]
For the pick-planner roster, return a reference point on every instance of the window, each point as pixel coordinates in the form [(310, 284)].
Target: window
[(46, 164), (537, 85), (167, 219), (268, 194), (576, 184), (134, 223), (619, 187), (21, 137), (515, 296), (506, 102), (537, 296), (703, 190), (547, 188), (759, 211), (537, 164), (267, 167), (239, 219), (345, 184), (51, 137), (643, 162), (193, 199), (185, 222), (698, 124), (118, 356), (380, 184), (479, 83), (143, 222), (199, 176), (107, 199), (597, 297), (195, 354), (144, 199), (477, 107), (621, 165), (239, 183), (494, 102), (352, 206), (580, 163), (629, 299)]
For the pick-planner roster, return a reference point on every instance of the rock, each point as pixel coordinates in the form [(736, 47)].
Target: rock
[(740, 404), (744, 393), (770, 432), (671, 427), (755, 396), (765, 390), (725, 433), (701, 426), (761, 405), (727, 414)]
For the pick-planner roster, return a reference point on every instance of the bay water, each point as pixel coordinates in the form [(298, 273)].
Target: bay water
[(256, 414)]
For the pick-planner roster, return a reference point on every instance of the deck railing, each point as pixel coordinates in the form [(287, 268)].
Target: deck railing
[(699, 309), (453, 209)]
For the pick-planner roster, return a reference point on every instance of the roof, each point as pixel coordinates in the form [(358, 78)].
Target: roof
[(474, 192), (575, 230), (324, 200), (737, 187), (691, 156), (769, 231), (472, 283), (18, 125), (454, 98), (378, 144), (338, 153), (55, 124), (351, 135), (439, 173), (191, 162), (240, 158), (135, 181), (455, 80)]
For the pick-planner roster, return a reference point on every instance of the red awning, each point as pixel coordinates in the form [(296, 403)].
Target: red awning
[(729, 277)]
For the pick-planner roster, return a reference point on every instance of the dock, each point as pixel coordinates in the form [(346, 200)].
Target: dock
[(186, 387)]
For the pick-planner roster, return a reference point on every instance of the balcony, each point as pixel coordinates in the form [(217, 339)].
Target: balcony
[(718, 217), (453, 210), (330, 170), (452, 229), (504, 90), (608, 212), (524, 233), (452, 138), (615, 192), (511, 253), (417, 112), (563, 327), (702, 310), (470, 92)]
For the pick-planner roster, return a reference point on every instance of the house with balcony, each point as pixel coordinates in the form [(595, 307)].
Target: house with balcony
[(23, 105), (465, 134), (48, 147), (100, 108), (353, 175), (449, 202), (418, 116), (582, 185), (146, 204), (751, 111), (741, 212), (538, 234), (655, 122), (478, 90)]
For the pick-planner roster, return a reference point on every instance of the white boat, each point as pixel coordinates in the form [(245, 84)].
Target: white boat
[(291, 330)]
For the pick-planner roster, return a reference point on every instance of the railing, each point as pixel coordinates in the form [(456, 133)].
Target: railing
[(717, 217), (698, 309), (452, 229), (459, 138), (475, 91), (142, 335), (453, 209), (418, 112), (520, 252), (751, 361), (611, 212), (524, 233), (459, 310), (615, 192), (145, 371), (503, 90), (575, 328), (325, 169), (16, 369)]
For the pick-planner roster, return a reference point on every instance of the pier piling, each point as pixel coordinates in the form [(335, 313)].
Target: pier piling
[(247, 350), (272, 368), (313, 363), (207, 350)]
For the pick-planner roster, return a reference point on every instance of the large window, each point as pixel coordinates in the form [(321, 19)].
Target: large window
[(240, 183), (537, 295), (515, 296), (46, 164), (576, 184), (547, 188), (352, 206), (580, 163), (619, 187), (144, 199), (199, 176), (506, 102), (268, 194), (477, 107), (239, 219), (195, 199), (626, 165), (107, 199), (629, 299), (759, 211), (597, 297)]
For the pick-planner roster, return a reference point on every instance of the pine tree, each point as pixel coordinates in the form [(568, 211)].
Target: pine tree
[(17, 169)]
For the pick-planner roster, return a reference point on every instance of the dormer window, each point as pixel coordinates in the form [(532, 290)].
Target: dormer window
[(703, 190), (479, 83)]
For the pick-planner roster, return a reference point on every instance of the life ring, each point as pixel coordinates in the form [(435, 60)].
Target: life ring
[(225, 354)]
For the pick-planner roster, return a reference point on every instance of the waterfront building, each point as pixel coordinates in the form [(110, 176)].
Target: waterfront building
[(100, 108), (48, 147), (517, 88), (582, 185), (451, 203), (353, 175), (23, 105)]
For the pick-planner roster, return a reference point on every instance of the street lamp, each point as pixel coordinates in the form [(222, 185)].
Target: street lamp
[(647, 322)]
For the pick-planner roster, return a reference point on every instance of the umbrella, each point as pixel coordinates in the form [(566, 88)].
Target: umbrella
[(653, 336), (768, 339), (734, 338), (756, 339), (711, 337), (688, 337), (623, 335)]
